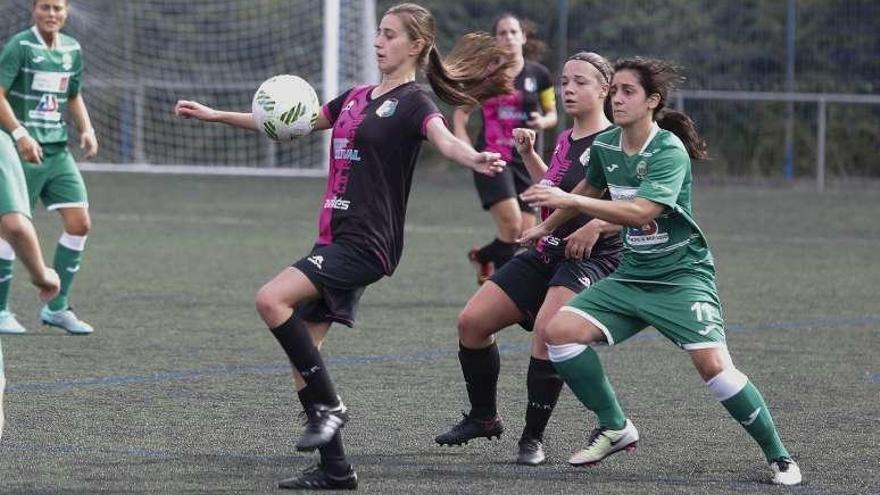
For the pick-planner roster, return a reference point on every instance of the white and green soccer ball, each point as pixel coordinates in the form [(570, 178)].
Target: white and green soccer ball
[(285, 107)]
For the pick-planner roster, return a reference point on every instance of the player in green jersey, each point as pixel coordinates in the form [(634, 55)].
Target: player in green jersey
[(40, 79), (16, 228), (666, 278)]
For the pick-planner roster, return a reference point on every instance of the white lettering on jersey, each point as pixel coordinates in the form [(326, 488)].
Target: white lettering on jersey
[(506, 112), (337, 203), (341, 151), (50, 82), (622, 193)]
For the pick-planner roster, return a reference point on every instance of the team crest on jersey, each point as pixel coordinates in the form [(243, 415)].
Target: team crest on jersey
[(387, 108), (642, 169), (530, 84), (585, 157), (67, 61), (646, 235)]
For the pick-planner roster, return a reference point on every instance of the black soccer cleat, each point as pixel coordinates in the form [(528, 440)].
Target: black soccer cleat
[(322, 423), (531, 452), (317, 478), (469, 428)]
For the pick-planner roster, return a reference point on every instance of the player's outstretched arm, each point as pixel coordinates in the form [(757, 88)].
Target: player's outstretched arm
[(451, 147), (195, 110)]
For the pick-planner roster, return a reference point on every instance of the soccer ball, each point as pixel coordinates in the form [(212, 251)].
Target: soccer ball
[(285, 107)]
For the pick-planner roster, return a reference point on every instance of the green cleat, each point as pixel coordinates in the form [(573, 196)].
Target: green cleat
[(9, 325), (604, 442), (65, 319)]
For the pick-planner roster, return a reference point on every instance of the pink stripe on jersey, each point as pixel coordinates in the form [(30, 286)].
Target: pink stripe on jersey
[(559, 165), (343, 134), (428, 119)]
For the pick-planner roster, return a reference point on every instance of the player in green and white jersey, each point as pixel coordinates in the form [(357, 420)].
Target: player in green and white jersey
[(666, 278), (16, 227), (40, 80)]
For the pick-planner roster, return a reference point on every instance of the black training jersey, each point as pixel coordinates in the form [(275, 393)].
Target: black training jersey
[(373, 151), (568, 166), (503, 113)]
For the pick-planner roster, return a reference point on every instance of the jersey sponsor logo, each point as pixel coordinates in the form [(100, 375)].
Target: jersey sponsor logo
[(387, 108), (585, 157), (506, 112), (47, 109), (530, 84), (612, 167), (642, 169), (50, 82), (316, 260), (337, 203), (341, 151), (752, 417), (646, 235), (622, 193)]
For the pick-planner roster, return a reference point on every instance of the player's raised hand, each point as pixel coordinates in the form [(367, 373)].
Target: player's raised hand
[(195, 110), (489, 163), (524, 139)]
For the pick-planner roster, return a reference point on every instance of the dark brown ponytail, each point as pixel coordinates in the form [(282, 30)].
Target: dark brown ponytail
[(661, 78)]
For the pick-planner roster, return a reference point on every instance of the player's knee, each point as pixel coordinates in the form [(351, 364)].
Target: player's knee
[(267, 303), (557, 332), (14, 225), (466, 324), (79, 227)]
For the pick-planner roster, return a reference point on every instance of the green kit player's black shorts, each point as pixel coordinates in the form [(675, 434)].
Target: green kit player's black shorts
[(341, 272), (527, 277)]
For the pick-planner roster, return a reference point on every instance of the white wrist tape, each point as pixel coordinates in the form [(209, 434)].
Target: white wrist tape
[(19, 132)]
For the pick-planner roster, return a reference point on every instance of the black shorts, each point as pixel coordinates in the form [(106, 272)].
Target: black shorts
[(341, 272), (508, 184), (527, 277)]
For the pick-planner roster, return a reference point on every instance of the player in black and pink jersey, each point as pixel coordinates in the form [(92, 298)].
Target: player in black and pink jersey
[(532, 104), (532, 287), (377, 134)]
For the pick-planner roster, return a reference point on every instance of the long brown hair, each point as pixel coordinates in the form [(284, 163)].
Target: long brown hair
[(661, 77), (475, 70), (534, 48)]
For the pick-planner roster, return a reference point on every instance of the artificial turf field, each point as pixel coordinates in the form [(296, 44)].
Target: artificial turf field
[(182, 390)]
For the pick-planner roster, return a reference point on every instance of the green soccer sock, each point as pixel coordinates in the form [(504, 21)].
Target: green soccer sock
[(584, 375), (66, 263), (748, 407), (5, 282)]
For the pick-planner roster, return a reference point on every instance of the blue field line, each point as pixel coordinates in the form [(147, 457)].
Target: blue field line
[(874, 377), (338, 361)]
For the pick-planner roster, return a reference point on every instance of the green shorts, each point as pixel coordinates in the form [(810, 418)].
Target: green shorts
[(56, 181), (689, 315), (13, 190)]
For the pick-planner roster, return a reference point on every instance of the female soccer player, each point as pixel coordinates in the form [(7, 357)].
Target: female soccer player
[(666, 278), (16, 228), (377, 133), (40, 79), (531, 105), (532, 287)]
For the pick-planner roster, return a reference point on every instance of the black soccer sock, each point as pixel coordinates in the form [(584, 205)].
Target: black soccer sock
[(332, 453), (498, 252), (480, 369), (296, 341), (544, 386)]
